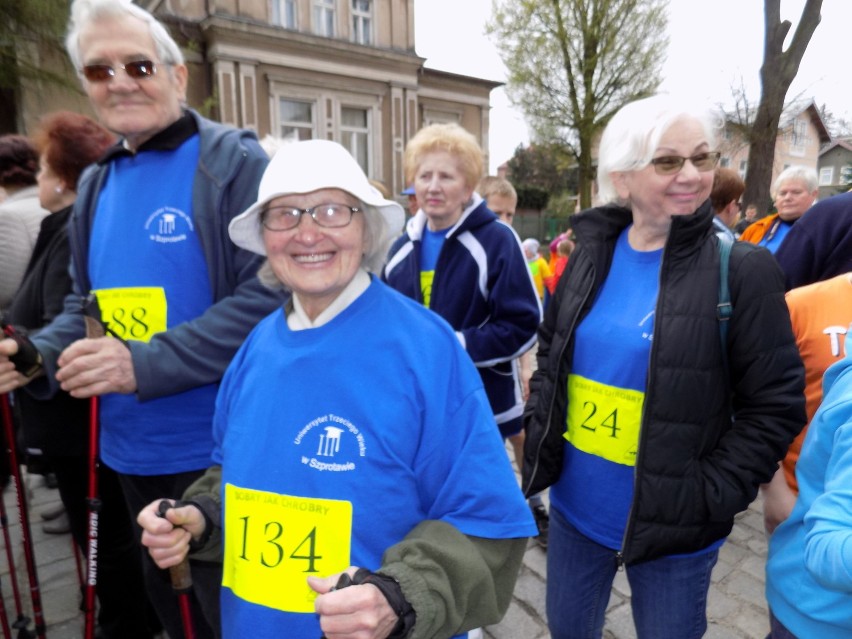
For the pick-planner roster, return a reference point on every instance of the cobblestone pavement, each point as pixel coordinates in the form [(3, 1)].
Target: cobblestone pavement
[(736, 608)]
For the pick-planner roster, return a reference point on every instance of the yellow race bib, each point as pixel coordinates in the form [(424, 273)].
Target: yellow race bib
[(604, 420), (274, 542), (426, 279), (136, 313)]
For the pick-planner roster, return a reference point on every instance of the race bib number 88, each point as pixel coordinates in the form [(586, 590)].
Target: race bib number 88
[(273, 543), (604, 420), (136, 313)]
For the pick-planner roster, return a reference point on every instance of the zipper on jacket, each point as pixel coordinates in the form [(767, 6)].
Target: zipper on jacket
[(639, 448), (561, 359)]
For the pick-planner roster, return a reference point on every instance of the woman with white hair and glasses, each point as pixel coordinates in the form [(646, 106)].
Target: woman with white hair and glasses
[(354, 442), (651, 430)]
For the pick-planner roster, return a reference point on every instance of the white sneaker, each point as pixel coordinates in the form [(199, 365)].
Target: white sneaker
[(476, 633)]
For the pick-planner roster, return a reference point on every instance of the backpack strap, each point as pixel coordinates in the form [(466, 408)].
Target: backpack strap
[(724, 308)]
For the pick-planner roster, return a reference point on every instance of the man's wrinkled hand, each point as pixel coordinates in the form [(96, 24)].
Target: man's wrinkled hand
[(91, 367)]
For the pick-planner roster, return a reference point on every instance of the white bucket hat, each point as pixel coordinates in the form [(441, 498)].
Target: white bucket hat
[(305, 167)]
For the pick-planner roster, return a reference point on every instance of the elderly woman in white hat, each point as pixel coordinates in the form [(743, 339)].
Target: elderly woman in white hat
[(355, 445)]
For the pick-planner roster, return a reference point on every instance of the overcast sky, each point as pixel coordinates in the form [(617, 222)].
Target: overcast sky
[(714, 44)]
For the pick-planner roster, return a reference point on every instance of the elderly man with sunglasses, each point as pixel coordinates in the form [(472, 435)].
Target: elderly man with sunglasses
[(149, 237)]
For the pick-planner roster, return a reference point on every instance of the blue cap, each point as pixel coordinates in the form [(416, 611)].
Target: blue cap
[(408, 191)]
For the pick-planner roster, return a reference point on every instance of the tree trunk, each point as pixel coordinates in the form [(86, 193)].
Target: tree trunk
[(777, 73)]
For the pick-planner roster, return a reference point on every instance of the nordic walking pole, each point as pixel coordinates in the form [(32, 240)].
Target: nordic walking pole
[(94, 328), (181, 581), (26, 533), (78, 564), (21, 621), (4, 617)]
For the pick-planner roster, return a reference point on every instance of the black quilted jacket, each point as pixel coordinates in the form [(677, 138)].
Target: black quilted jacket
[(703, 449)]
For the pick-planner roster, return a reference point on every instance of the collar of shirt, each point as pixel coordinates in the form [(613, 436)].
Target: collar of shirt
[(168, 139)]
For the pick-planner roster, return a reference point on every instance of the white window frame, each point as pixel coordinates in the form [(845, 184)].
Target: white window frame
[(366, 132), (847, 168), (362, 22), (743, 168), (324, 17), (725, 162), (826, 176), (798, 137), (295, 123), (439, 116), (283, 13)]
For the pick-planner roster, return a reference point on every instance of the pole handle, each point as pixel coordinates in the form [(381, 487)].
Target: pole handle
[(92, 317), (181, 575)]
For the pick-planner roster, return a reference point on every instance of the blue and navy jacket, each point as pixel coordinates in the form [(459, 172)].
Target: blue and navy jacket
[(483, 288)]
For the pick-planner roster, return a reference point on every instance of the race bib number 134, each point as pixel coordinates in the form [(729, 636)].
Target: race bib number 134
[(274, 542)]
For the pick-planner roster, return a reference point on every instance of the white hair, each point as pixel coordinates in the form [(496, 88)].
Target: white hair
[(84, 12), (633, 134), (804, 174)]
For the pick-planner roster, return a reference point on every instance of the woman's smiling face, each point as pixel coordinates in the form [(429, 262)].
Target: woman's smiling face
[(661, 196), (313, 261)]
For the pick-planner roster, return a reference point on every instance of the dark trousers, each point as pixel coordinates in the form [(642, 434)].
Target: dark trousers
[(139, 491), (124, 610)]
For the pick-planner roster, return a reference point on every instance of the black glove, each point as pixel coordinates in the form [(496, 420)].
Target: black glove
[(27, 360)]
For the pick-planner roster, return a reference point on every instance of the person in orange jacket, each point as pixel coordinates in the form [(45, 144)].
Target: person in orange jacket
[(795, 190)]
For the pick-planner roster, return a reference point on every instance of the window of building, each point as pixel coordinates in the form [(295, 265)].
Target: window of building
[(826, 175), (743, 168), (324, 17), (297, 120), (284, 13), (846, 174), (362, 21), (725, 162), (355, 134), (799, 137), (436, 116)]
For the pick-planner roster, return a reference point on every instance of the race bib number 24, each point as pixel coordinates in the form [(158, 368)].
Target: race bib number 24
[(604, 420)]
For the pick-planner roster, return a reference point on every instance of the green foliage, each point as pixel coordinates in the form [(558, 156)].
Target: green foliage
[(548, 166), (532, 197), (25, 24), (573, 63)]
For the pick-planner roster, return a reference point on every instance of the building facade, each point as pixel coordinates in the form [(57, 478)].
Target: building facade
[(801, 135), (342, 70), (835, 168)]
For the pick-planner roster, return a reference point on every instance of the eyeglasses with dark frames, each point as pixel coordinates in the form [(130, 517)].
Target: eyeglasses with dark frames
[(137, 69), (284, 218), (671, 164)]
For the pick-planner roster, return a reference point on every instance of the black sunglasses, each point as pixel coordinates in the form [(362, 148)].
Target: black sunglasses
[(137, 70)]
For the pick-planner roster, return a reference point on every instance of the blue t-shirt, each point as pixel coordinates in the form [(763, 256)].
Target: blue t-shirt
[(775, 235), (606, 395), (430, 249), (149, 271), (336, 441)]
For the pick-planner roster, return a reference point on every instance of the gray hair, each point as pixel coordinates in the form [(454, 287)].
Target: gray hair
[(377, 239), (633, 134), (804, 174), (84, 12)]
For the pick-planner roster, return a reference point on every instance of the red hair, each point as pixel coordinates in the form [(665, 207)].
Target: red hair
[(69, 142)]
